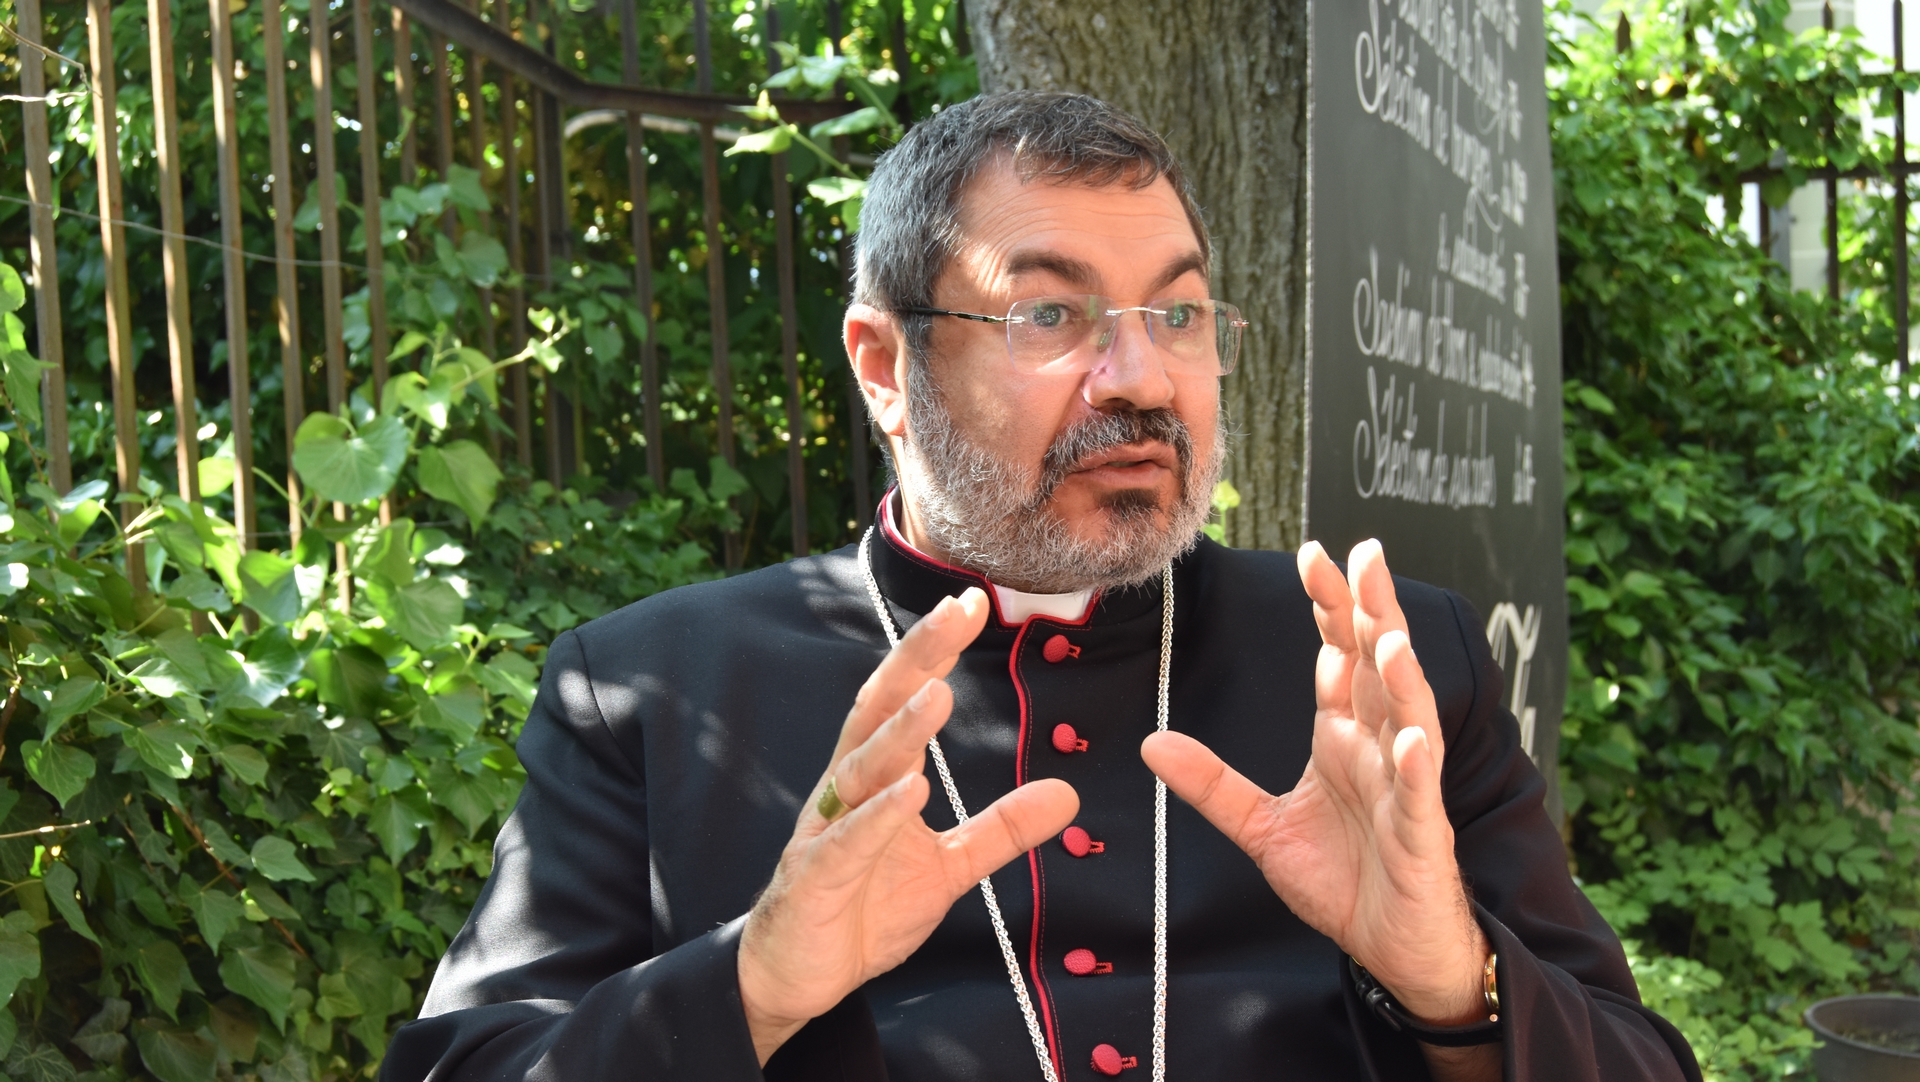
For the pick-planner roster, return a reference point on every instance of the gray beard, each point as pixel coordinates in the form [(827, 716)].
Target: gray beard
[(997, 518)]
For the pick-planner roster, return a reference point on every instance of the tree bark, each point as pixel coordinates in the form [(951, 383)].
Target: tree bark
[(1225, 82)]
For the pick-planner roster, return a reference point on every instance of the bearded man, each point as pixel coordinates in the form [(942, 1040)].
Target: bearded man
[(718, 871)]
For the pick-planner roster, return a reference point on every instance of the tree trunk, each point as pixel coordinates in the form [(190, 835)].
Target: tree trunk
[(1225, 82)]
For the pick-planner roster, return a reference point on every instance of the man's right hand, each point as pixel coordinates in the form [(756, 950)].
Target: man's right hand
[(852, 898)]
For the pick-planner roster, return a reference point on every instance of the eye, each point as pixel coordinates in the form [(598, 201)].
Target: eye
[(1181, 316), (1048, 315)]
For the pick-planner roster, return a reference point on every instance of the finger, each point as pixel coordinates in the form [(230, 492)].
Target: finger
[(929, 650), (1376, 605), (1419, 816), (849, 848), (1234, 805), (1408, 697), (1332, 598), (1007, 828), (896, 748), (1333, 612)]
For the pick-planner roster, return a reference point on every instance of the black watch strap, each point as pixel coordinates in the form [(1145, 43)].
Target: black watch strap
[(1388, 1010)]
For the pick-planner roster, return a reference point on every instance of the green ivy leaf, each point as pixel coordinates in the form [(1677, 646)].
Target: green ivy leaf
[(62, 884), (263, 974), (774, 140), (351, 678), (397, 819), (163, 972), (59, 769), (461, 474), (100, 1037), (852, 123), (216, 913), (19, 953), (166, 746), (173, 1054), (268, 586), (424, 613), (245, 762), (349, 466), (278, 860)]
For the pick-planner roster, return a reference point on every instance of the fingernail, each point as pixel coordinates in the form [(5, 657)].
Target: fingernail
[(939, 614), (919, 700)]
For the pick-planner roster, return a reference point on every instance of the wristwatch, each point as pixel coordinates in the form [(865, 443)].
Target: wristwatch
[(1388, 1010)]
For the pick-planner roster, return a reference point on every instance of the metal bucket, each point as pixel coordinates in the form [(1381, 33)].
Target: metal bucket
[(1848, 1058)]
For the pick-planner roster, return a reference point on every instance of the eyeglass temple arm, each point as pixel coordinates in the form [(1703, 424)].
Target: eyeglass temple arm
[(976, 317)]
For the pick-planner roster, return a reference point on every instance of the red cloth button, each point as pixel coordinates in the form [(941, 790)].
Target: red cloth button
[(1058, 649), (1066, 741), (1082, 963), (1108, 1060), (1077, 842)]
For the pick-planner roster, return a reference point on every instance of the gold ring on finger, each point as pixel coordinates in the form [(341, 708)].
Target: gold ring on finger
[(830, 806)]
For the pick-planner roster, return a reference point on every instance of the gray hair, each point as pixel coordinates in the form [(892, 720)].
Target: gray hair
[(909, 223)]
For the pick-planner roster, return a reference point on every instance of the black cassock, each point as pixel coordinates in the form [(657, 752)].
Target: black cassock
[(673, 742)]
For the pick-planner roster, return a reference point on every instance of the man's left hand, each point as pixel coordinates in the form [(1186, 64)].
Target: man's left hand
[(1361, 849)]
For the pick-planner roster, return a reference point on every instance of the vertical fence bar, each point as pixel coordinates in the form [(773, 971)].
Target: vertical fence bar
[(113, 253), (287, 293), (789, 325), (1833, 189), (859, 431), (517, 382), (404, 75), (173, 250), (370, 192), (1900, 315), (233, 272), (443, 125), (541, 269), (327, 194), (477, 143), (46, 265), (639, 222), (716, 262)]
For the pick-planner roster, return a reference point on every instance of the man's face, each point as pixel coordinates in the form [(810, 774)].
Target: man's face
[(1059, 482)]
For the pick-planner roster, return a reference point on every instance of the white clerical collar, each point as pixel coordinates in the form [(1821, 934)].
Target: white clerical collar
[(1014, 606)]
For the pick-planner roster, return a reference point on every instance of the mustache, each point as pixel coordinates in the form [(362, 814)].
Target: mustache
[(1109, 429)]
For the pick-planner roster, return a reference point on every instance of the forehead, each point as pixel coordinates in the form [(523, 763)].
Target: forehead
[(1013, 229)]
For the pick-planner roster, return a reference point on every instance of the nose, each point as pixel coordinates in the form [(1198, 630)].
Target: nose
[(1130, 370)]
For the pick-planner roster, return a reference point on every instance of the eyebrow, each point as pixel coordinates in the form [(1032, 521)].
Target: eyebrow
[(1080, 273)]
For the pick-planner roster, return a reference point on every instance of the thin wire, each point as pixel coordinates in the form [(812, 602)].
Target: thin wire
[(188, 237), (50, 54), (960, 813), (1160, 846)]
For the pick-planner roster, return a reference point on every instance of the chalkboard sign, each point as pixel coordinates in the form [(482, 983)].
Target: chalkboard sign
[(1433, 357)]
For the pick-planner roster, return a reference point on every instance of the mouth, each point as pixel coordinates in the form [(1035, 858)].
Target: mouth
[(1129, 462)]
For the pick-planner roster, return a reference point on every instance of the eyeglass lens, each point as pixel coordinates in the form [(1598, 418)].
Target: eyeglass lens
[(1068, 334)]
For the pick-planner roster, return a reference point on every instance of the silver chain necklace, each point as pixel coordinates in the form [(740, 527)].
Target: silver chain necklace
[(1159, 838)]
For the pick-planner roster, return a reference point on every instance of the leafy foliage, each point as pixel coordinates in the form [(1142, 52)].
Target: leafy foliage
[(1740, 751), (255, 794)]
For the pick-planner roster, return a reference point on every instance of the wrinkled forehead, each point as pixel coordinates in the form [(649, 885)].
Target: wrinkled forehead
[(1017, 225)]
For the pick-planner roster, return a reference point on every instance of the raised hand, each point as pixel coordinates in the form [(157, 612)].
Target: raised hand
[(852, 898), (1361, 848)]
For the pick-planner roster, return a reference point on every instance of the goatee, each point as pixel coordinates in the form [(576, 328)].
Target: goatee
[(997, 517)]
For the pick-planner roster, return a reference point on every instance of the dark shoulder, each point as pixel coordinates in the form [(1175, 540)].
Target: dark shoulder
[(1262, 588)]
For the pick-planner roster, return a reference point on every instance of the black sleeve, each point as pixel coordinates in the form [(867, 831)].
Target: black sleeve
[(1569, 1008), (555, 974)]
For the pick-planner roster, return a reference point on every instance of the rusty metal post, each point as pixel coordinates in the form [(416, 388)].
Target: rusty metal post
[(234, 272), (327, 194), (517, 383), (443, 123), (716, 263), (1900, 286), (370, 190), (404, 76), (46, 265), (638, 222), (1833, 190), (287, 293), (477, 144), (173, 249), (113, 253), (789, 327), (859, 430)]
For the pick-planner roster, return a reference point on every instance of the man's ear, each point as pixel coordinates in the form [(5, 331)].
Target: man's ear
[(878, 351)]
